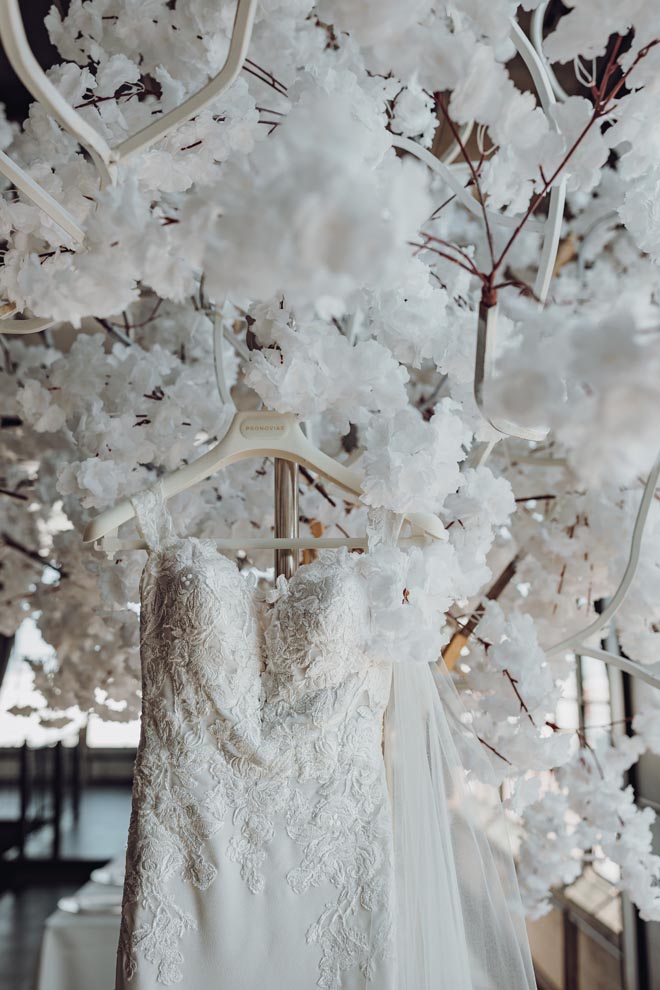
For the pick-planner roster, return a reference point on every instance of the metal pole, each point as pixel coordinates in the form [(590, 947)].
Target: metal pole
[(25, 799), (286, 514), (76, 754), (634, 934), (58, 792)]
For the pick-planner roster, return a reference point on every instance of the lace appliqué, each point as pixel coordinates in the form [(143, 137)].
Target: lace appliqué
[(328, 718), (346, 840), (201, 722), (172, 816)]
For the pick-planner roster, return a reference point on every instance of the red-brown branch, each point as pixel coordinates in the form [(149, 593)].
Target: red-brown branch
[(440, 105), (493, 750), (514, 684), (264, 76), (602, 105), (432, 239), (448, 257), (18, 495)]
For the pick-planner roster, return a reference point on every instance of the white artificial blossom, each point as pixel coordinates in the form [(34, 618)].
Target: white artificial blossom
[(347, 277)]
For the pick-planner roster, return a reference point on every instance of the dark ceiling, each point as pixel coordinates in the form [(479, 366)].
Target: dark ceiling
[(12, 92)]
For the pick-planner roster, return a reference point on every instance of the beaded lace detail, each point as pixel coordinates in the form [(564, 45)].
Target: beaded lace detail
[(260, 713)]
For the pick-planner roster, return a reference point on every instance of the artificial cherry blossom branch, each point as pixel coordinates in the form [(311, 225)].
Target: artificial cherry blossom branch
[(603, 101), (602, 105)]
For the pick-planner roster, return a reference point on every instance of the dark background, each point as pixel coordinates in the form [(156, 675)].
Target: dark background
[(12, 92)]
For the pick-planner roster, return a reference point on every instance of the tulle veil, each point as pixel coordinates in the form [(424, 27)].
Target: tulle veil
[(459, 919)]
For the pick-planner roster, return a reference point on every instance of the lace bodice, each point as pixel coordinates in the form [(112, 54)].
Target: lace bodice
[(261, 735)]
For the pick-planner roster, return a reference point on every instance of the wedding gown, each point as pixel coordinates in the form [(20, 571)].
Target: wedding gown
[(261, 845)]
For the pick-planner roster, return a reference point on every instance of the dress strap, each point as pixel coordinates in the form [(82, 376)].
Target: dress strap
[(154, 522), (383, 527)]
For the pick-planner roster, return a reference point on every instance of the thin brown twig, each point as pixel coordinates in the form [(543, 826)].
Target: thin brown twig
[(32, 555), (317, 485), (493, 750), (322, 491), (517, 283), (584, 742), (535, 498), (150, 317), (440, 208), (439, 102), (443, 254), (587, 745), (514, 684), (17, 495), (264, 76), (431, 238)]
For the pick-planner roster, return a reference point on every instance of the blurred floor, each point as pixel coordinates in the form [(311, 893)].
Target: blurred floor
[(22, 915), (98, 835)]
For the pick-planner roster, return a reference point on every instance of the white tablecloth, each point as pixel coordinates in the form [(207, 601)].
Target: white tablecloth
[(78, 951)]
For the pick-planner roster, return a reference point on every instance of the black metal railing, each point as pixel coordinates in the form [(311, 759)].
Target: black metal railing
[(46, 785)]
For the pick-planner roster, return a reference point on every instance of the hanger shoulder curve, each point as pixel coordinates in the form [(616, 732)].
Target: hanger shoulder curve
[(483, 370), (576, 640), (37, 195), (238, 46), (30, 324), (263, 434), (40, 197), (33, 77)]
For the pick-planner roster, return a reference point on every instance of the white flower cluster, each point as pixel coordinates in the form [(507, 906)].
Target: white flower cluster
[(317, 371), (323, 210), (411, 465), (592, 810)]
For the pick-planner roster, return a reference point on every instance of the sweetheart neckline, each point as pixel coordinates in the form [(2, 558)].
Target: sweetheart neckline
[(264, 601), (340, 554)]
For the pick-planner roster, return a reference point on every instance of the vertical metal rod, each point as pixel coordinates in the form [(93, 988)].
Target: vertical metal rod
[(25, 799), (634, 940), (286, 514), (76, 753), (58, 798)]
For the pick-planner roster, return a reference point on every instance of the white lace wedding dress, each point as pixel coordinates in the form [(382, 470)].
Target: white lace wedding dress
[(260, 844), (284, 834)]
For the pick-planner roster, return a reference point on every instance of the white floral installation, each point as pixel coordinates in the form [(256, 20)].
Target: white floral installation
[(286, 209)]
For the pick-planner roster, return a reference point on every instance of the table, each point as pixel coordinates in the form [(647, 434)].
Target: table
[(78, 951)]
